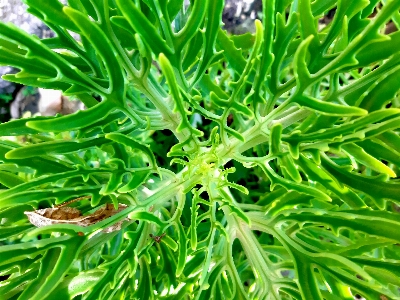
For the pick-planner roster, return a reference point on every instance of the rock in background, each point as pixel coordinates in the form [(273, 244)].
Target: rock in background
[(46, 102), (239, 15)]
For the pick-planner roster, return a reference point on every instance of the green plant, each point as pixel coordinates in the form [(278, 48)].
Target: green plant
[(5, 106), (29, 90), (6, 98), (259, 166)]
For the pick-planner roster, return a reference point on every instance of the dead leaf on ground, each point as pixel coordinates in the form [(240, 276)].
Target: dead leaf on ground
[(70, 215)]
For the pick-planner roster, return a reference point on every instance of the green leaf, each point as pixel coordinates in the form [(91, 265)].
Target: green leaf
[(144, 290), (35, 196), (369, 161), (75, 121), (192, 25), (275, 139), (17, 252), (76, 285), (10, 180), (7, 232), (327, 108), (289, 167), (376, 187), (131, 143), (54, 147), (308, 284), (54, 265), (231, 53), (137, 179), (344, 129), (282, 199), (142, 26), (236, 210), (212, 27), (18, 127), (52, 11), (182, 250), (193, 225), (289, 185), (170, 243), (318, 174), (97, 37), (113, 183), (39, 166), (145, 216)]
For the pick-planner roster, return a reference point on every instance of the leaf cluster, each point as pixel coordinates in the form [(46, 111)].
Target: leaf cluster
[(257, 166)]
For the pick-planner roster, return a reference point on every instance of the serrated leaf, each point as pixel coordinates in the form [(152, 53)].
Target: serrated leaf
[(232, 54)]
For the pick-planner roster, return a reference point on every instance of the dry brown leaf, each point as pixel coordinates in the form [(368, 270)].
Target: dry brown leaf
[(70, 215)]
